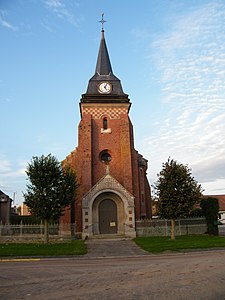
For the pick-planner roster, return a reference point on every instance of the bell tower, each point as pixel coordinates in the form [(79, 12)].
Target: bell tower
[(114, 189)]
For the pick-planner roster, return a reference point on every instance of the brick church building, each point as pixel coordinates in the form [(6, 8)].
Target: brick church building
[(113, 187)]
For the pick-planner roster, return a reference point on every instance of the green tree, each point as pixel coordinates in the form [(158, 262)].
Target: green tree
[(50, 190), (210, 209), (177, 191)]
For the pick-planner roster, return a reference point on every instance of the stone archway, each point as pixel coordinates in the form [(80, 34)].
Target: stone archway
[(108, 188), (108, 208)]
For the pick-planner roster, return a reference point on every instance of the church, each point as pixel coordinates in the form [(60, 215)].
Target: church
[(113, 186)]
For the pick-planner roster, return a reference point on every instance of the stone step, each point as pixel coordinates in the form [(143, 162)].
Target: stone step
[(109, 237)]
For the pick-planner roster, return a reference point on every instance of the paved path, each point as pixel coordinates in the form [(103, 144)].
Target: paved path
[(113, 248)]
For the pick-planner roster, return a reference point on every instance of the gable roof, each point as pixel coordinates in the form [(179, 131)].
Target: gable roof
[(107, 183)]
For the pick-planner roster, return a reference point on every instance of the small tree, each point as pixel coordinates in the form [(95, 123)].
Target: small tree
[(51, 189), (177, 192), (210, 209)]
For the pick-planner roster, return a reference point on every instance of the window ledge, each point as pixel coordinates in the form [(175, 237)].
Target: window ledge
[(108, 130)]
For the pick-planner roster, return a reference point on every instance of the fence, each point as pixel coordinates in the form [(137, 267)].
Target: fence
[(158, 227), (36, 232), (153, 227)]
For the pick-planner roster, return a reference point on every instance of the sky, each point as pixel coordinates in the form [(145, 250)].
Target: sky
[(168, 54)]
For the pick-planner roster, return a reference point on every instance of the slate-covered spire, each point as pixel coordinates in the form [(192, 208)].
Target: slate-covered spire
[(104, 74), (103, 66)]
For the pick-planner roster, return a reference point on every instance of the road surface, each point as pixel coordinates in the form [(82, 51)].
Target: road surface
[(193, 275)]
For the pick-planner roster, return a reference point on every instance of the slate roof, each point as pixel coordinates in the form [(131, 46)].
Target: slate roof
[(104, 72), (103, 66)]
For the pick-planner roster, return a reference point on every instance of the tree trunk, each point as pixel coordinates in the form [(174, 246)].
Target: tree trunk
[(172, 229), (46, 236)]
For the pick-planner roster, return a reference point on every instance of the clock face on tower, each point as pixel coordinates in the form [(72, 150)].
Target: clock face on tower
[(104, 88)]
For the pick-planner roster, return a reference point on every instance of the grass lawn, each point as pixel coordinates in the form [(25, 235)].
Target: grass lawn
[(76, 247), (185, 242)]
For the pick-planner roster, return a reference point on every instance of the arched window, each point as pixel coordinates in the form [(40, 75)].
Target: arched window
[(105, 123)]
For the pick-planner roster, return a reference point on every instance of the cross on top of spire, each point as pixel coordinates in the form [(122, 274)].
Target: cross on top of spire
[(102, 21)]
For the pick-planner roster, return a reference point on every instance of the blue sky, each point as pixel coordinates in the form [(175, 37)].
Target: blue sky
[(169, 55)]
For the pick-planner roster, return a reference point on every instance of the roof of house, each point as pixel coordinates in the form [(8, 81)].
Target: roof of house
[(4, 195), (221, 200)]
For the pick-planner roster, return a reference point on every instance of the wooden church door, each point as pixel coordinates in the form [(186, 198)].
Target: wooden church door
[(107, 217)]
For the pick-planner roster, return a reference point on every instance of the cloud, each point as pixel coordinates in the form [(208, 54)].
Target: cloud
[(191, 58), (61, 10), (47, 26), (190, 61), (12, 178), (205, 170), (5, 23), (9, 169), (5, 166)]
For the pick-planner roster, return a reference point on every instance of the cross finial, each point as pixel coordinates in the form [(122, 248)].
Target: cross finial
[(102, 21)]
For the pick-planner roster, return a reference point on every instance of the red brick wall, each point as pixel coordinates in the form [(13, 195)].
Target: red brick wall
[(123, 166)]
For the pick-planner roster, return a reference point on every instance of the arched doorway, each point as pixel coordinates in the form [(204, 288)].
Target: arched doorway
[(107, 217), (95, 209)]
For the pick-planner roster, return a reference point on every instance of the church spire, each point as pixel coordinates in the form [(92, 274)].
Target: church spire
[(104, 84), (103, 66)]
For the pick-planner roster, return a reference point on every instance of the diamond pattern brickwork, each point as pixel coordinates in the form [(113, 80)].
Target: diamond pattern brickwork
[(98, 112)]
